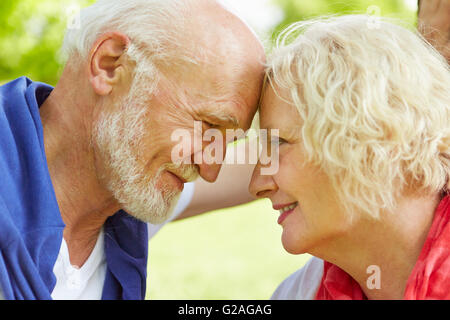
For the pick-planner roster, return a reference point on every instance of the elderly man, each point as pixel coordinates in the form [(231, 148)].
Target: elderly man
[(87, 164)]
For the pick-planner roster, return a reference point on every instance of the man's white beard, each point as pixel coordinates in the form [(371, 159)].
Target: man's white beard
[(115, 135)]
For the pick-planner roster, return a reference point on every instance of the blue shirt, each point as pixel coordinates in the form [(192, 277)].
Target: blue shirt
[(31, 226)]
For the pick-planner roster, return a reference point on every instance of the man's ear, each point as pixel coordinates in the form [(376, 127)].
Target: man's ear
[(105, 63)]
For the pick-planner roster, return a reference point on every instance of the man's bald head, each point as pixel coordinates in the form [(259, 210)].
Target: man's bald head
[(162, 30), (189, 39), (220, 53)]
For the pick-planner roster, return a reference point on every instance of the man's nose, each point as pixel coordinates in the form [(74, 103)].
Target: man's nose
[(209, 172), (209, 167), (261, 186)]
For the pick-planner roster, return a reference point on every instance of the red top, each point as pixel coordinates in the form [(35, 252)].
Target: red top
[(430, 278)]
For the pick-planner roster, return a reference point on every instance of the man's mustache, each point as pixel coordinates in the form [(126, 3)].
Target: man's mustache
[(188, 172)]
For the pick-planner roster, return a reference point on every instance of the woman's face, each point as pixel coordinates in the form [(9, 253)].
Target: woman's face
[(310, 214)]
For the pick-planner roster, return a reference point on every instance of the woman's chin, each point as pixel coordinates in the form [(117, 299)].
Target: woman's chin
[(293, 245)]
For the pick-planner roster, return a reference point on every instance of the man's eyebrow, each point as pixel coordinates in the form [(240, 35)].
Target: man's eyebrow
[(219, 117)]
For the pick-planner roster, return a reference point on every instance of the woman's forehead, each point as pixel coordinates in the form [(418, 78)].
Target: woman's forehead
[(275, 105)]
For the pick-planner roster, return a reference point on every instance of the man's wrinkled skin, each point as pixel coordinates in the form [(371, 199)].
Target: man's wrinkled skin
[(228, 79)]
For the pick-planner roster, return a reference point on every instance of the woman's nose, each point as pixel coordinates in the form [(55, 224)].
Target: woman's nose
[(261, 186)]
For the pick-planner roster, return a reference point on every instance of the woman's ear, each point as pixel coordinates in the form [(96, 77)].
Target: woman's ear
[(105, 63)]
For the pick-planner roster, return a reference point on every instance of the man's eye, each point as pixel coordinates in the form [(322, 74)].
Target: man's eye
[(209, 124), (277, 140)]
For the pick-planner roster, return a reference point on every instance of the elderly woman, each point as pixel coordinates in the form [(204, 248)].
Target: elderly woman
[(363, 118)]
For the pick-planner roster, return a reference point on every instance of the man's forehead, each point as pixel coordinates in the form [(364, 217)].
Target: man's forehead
[(233, 113)]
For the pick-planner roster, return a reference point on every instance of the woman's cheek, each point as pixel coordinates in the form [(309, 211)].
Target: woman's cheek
[(289, 172)]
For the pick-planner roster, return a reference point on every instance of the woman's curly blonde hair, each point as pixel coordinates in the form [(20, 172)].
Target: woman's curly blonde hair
[(374, 103)]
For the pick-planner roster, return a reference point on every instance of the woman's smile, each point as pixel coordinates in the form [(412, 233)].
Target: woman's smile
[(285, 210)]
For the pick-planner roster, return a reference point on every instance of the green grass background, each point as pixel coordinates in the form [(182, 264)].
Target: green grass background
[(234, 253)]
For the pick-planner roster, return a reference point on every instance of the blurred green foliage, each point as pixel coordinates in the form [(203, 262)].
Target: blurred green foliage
[(295, 10), (31, 35), (32, 32)]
